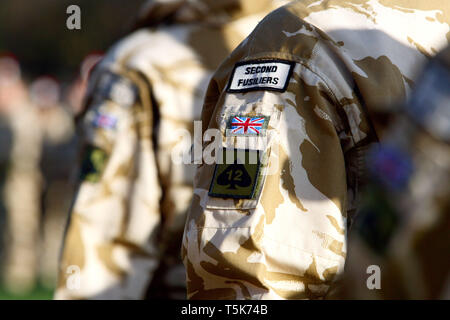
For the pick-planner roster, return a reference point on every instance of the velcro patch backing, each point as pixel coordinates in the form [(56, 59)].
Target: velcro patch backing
[(269, 75)]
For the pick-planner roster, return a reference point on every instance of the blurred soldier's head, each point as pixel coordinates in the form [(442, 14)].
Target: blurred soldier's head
[(11, 87), (45, 93)]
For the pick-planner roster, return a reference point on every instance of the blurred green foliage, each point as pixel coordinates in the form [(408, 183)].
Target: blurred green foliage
[(39, 293)]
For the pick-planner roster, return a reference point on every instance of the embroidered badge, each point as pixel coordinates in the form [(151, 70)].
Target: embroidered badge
[(247, 126), (104, 121), (261, 75), (237, 175), (94, 161)]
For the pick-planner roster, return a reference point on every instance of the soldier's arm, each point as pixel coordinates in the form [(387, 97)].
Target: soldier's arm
[(109, 249), (281, 231)]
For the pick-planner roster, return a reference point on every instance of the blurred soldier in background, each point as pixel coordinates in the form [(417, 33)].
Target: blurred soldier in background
[(404, 222), (5, 143), (124, 235), (58, 151), (297, 94), (22, 187)]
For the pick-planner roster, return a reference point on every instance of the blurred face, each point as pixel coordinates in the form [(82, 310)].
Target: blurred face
[(45, 92), (11, 86), (11, 94), (9, 71)]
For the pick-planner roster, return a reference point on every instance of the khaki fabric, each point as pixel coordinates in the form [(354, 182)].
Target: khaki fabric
[(124, 236), (289, 240)]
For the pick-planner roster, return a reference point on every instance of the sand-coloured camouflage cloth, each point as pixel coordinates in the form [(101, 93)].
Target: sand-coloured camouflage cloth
[(124, 236), (313, 70)]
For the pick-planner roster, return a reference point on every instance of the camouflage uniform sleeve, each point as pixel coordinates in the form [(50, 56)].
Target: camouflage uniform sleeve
[(110, 250), (274, 228)]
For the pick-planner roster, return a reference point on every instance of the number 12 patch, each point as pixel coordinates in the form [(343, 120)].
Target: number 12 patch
[(237, 175)]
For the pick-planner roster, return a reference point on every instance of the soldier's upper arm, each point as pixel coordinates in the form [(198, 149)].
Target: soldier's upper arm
[(274, 227), (108, 117), (113, 214)]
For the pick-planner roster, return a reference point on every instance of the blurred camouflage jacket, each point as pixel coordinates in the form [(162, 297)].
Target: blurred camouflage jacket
[(404, 218), (297, 93), (124, 236)]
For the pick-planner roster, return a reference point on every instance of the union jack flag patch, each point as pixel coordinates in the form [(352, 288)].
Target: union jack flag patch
[(247, 126), (104, 121)]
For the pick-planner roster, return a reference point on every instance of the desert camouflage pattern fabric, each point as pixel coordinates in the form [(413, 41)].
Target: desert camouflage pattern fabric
[(124, 236), (289, 240)]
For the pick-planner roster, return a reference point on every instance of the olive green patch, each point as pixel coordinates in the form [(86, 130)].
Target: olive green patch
[(237, 175), (94, 161)]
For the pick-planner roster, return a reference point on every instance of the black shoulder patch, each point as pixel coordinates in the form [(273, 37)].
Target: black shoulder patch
[(237, 175)]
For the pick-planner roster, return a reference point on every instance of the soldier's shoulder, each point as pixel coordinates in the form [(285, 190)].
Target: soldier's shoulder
[(134, 63), (269, 35), (140, 52), (296, 26), (146, 48), (282, 34)]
